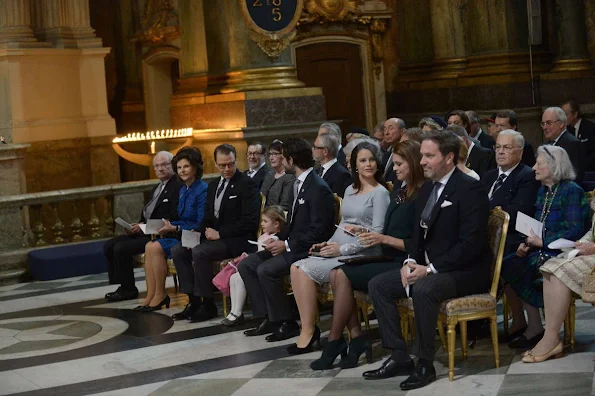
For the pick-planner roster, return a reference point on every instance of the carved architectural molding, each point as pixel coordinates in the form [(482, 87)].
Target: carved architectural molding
[(159, 23), (324, 11), (272, 44)]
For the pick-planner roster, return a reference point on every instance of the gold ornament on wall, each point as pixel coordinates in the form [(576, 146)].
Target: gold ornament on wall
[(272, 23), (322, 11), (159, 23), (378, 28)]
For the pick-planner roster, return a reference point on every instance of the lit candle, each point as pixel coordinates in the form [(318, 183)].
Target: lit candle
[(152, 147)]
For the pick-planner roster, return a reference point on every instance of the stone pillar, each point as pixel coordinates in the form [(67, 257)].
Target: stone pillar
[(64, 23), (15, 23), (570, 49), (13, 183), (449, 38)]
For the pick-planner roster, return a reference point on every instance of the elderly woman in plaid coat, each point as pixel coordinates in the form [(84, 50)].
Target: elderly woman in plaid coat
[(564, 211)]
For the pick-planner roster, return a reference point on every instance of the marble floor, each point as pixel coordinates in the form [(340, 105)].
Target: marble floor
[(62, 338)]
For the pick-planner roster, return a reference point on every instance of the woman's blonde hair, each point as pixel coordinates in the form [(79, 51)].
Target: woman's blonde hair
[(275, 213)]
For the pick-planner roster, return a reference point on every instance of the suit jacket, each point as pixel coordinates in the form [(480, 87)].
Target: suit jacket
[(338, 178), (456, 240), (238, 215), (389, 173), (586, 134), (575, 150), (167, 203), (518, 193), (341, 157), (481, 160), (528, 155), (486, 141), (312, 220), (260, 175)]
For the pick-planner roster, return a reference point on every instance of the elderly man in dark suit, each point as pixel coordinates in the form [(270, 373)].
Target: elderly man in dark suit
[(507, 119), (310, 221), (119, 251), (332, 172), (450, 258), (257, 167), (335, 130), (553, 124), (393, 130), (480, 159), (583, 129), (475, 131), (230, 221)]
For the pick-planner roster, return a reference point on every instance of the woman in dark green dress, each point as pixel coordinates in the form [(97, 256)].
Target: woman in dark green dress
[(398, 229)]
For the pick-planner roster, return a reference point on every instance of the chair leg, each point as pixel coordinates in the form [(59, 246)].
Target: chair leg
[(176, 288), (452, 335), (225, 307), (567, 328), (442, 335), (494, 333), (366, 319), (572, 322), (505, 313), (411, 318), (463, 326)]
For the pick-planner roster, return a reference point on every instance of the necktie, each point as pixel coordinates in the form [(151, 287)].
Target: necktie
[(427, 212), (220, 189), (498, 184), (296, 190), (153, 202), (571, 130), (320, 171)]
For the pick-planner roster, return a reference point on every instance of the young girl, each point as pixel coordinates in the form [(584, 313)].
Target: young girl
[(272, 219)]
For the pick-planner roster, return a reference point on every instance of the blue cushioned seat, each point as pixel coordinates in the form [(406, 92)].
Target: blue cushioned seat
[(65, 261)]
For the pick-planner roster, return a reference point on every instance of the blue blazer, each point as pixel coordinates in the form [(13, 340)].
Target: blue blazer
[(191, 205)]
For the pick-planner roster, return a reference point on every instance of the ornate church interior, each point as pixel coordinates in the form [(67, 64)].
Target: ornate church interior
[(93, 91)]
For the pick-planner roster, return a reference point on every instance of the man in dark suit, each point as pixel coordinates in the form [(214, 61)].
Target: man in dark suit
[(450, 258), (332, 172), (475, 131), (583, 129), (479, 159), (230, 220), (553, 123), (310, 221), (393, 130), (507, 119), (333, 129), (257, 167), (512, 186), (119, 251)]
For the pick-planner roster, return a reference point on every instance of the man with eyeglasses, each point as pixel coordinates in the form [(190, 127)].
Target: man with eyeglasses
[(325, 151), (119, 251), (393, 129), (231, 219), (257, 167), (553, 124), (507, 119)]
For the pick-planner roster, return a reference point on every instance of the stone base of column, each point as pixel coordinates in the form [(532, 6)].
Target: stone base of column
[(229, 117), (70, 37), (281, 77), (573, 65)]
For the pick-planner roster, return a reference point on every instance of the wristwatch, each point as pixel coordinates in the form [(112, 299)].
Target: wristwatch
[(429, 270)]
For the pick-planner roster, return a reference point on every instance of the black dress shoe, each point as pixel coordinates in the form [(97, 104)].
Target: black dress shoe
[(149, 308), (506, 338), (121, 295), (205, 312), (523, 342), (293, 349), (390, 368), (421, 376), (287, 330), (189, 309), (264, 327)]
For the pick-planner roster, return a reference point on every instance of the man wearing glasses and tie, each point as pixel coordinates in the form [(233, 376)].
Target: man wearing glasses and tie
[(230, 220)]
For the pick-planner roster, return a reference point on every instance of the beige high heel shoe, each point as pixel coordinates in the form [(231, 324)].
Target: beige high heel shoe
[(556, 353)]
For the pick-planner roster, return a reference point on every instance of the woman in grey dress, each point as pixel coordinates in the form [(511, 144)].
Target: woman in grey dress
[(364, 207), (277, 186)]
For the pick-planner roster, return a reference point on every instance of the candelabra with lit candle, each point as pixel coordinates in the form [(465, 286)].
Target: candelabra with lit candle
[(152, 136)]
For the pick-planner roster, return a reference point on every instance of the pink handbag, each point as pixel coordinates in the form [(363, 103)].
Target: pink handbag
[(221, 280)]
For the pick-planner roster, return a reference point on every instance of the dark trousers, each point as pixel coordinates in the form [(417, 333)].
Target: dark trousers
[(119, 252), (427, 293), (263, 276), (197, 279)]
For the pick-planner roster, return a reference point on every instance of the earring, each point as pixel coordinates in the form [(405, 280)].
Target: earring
[(357, 171)]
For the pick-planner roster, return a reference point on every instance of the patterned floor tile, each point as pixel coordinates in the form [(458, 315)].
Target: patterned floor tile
[(294, 369), (190, 387), (547, 384)]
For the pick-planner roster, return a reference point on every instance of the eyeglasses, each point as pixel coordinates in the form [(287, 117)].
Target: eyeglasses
[(164, 165), (318, 147), (273, 154), (229, 165), (548, 123), (507, 148), (254, 154)]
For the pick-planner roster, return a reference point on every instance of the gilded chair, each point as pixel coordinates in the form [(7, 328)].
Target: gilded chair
[(389, 186), (478, 306)]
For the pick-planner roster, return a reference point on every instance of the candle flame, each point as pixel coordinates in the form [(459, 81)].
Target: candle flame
[(154, 135)]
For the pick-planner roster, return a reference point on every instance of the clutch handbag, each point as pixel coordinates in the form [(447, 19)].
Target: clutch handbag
[(366, 260), (588, 292)]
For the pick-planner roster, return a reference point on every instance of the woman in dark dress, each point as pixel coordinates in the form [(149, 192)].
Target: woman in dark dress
[(398, 229)]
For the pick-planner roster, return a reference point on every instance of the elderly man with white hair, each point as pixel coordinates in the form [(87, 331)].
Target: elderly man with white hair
[(120, 250), (553, 124), (334, 130)]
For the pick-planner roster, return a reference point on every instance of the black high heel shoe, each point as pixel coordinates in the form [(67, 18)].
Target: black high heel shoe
[(140, 308), (165, 302), (331, 350), (357, 346), (315, 340)]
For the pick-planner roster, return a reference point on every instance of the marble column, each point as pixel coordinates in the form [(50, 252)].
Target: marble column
[(448, 37), (64, 23), (13, 183), (570, 49), (15, 23)]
